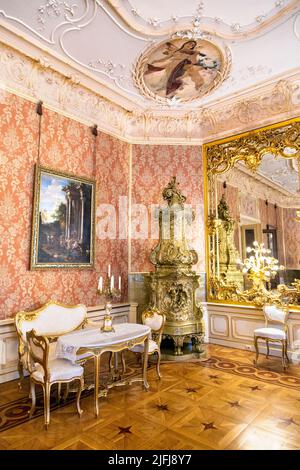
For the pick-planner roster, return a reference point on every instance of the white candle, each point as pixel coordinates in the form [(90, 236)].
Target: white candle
[(109, 270), (100, 284), (112, 282), (119, 282)]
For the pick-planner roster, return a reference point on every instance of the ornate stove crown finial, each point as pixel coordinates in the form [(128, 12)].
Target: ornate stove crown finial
[(172, 193)]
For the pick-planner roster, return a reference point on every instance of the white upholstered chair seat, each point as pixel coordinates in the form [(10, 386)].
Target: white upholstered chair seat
[(139, 348), (60, 370), (271, 333)]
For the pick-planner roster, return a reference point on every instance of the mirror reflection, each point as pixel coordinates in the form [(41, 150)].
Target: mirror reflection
[(253, 223)]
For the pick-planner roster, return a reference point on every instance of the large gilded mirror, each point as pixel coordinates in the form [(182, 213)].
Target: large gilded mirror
[(253, 216)]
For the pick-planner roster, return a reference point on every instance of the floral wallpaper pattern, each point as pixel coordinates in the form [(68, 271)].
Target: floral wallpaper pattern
[(153, 167), (292, 239), (68, 146)]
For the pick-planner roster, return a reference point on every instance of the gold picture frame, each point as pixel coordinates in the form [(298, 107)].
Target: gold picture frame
[(63, 226)]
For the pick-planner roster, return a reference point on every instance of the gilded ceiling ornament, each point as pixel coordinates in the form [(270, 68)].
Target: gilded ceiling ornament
[(183, 67)]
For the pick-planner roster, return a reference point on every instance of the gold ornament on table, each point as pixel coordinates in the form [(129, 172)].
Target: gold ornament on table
[(106, 288)]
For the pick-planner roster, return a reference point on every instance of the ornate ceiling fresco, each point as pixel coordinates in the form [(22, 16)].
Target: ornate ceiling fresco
[(109, 40), (158, 71)]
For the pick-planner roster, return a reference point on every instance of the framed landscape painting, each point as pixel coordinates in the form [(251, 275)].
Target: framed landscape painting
[(63, 221)]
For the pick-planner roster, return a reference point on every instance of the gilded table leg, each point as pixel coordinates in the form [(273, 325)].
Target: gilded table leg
[(145, 363), (158, 364), (283, 355), (67, 390), (111, 362), (58, 392), (123, 363), (286, 354), (96, 378)]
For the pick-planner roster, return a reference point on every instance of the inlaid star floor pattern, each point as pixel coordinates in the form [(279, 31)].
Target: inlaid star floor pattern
[(223, 403)]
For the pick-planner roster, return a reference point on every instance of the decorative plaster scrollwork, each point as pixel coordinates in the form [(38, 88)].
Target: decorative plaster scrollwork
[(235, 31), (297, 27), (55, 8)]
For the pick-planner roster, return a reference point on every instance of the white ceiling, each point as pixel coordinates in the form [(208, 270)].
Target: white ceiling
[(104, 39), (281, 171)]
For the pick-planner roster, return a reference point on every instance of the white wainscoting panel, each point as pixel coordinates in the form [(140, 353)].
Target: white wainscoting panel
[(233, 326)]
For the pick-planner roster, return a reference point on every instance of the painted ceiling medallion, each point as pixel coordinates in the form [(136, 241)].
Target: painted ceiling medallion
[(181, 68)]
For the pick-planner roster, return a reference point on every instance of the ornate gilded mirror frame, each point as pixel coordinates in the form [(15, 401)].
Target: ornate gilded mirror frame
[(282, 140)]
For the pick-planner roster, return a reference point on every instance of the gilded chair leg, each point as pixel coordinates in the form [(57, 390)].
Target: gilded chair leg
[(33, 399), (67, 390), (256, 349), (268, 350), (21, 374), (123, 363), (158, 364), (46, 391), (80, 388)]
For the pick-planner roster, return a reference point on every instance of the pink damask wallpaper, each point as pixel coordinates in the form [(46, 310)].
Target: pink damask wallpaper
[(292, 239), (68, 146), (153, 167)]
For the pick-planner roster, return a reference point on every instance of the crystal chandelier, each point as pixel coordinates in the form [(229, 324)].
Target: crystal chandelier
[(259, 267)]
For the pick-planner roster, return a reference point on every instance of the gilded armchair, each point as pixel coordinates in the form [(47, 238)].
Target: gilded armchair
[(46, 371)]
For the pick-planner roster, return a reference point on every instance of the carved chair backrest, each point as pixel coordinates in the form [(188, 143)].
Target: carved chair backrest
[(38, 351), (156, 321), (276, 315), (52, 320)]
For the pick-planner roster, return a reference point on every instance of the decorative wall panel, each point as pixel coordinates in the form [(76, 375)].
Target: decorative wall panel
[(152, 168), (292, 239), (68, 146)]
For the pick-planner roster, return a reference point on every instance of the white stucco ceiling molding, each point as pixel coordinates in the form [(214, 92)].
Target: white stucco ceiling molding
[(155, 26), (255, 185), (35, 81)]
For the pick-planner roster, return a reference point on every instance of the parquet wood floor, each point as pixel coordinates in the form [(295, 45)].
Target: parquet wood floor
[(224, 404)]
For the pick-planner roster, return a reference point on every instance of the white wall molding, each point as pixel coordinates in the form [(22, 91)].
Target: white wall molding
[(233, 326)]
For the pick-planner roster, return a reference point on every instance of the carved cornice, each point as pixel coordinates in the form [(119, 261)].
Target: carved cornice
[(39, 80)]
